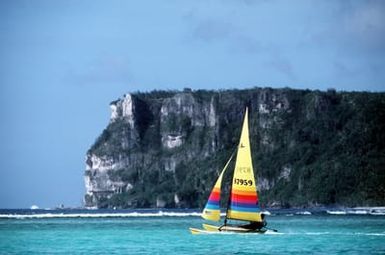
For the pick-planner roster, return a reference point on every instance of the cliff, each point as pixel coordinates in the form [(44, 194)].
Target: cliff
[(165, 149)]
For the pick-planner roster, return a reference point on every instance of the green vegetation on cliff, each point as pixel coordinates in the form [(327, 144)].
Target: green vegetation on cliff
[(309, 148)]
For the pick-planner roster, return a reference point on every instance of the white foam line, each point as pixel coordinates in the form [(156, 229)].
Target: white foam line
[(335, 234), (359, 212), (303, 213), (375, 234), (317, 233), (270, 232), (356, 212), (369, 234), (98, 215), (336, 212)]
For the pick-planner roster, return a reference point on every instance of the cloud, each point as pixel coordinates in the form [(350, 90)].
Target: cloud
[(351, 26), (315, 41), (366, 24)]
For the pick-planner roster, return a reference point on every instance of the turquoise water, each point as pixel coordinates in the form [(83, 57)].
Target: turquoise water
[(298, 234)]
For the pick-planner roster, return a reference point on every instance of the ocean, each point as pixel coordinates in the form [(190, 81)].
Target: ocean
[(167, 232)]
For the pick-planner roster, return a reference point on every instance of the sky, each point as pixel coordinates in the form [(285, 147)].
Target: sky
[(62, 62)]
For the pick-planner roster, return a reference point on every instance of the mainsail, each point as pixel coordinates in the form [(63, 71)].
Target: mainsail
[(244, 198), (212, 209)]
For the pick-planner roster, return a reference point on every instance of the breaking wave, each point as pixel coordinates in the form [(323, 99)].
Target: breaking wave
[(100, 215), (127, 213), (364, 211)]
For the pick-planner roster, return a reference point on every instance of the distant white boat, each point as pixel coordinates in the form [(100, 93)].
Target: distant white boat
[(34, 207), (377, 211)]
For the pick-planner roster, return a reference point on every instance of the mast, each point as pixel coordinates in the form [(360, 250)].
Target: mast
[(229, 200)]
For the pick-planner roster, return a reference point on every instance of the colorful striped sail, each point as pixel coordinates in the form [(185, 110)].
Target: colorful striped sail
[(212, 209), (244, 197)]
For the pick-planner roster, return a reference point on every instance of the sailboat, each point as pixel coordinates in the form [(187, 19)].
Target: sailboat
[(243, 201)]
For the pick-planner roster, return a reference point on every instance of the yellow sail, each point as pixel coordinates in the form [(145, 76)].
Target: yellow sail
[(212, 209), (244, 197)]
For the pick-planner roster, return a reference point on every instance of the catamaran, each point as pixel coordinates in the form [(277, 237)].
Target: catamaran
[(243, 201)]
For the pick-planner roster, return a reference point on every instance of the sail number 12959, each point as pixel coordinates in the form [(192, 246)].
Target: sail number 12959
[(243, 182)]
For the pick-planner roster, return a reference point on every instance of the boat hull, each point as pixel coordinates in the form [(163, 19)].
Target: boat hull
[(197, 231), (229, 228), (210, 229)]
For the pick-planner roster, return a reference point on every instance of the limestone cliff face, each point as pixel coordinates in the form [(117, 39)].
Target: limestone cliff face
[(151, 139), (165, 149)]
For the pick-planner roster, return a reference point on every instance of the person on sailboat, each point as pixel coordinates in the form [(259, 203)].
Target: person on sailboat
[(256, 225)]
